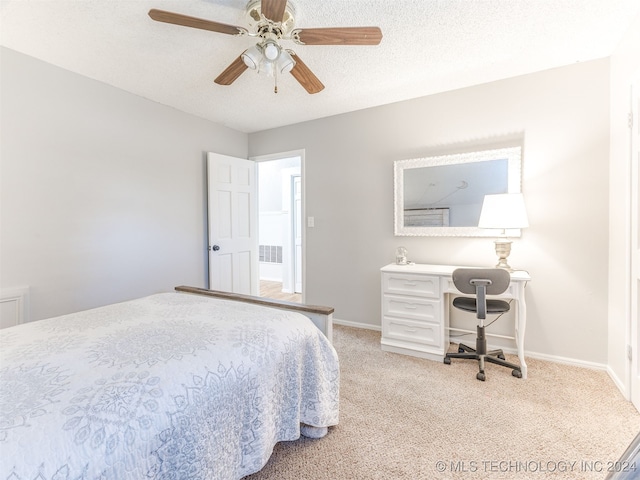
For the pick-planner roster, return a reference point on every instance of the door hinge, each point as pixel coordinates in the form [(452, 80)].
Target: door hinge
[(629, 352), (630, 119)]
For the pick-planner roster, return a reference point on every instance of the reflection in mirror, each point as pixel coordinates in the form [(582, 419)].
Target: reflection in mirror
[(451, 195), (442, 196)]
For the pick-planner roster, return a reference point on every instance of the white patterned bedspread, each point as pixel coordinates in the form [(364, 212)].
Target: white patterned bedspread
[(171, 386)]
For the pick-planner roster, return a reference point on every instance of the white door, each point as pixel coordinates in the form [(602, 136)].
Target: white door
[(296, 218), (635, 243), (233, 224)]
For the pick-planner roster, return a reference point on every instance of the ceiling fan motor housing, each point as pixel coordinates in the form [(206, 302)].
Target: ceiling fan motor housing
[(256, 20)]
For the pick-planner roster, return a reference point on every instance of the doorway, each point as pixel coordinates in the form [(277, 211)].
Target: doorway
[(280, 245)]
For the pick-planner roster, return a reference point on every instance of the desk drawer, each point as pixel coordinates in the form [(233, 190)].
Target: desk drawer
[(415, 308), (409, 284), (412, 331)]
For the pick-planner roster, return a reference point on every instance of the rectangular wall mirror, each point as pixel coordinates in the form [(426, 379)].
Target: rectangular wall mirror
[(442, 196)]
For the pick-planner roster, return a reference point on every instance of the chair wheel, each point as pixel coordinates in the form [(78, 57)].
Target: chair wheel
[(460, 350), (480, 376), (447, 361), (516, 373), (501, 357)]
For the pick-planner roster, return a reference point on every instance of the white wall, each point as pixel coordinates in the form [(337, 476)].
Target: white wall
[(625, 65), (561, 119), (103, 193)]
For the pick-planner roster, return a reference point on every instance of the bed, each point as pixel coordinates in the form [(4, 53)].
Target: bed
[(180, 385)]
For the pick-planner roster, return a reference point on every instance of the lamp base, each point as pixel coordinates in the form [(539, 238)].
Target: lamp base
[(503, 249)]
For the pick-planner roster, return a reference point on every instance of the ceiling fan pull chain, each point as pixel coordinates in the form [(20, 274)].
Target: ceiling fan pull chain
[(275, 80)]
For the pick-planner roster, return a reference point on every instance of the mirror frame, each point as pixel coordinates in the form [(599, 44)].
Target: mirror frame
[(514, 180)]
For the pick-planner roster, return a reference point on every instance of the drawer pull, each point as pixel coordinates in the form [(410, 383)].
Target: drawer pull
[(410, 306), (410, 284), (407, 327)]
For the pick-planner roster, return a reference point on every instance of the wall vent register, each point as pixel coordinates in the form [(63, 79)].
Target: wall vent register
[(270, 254)]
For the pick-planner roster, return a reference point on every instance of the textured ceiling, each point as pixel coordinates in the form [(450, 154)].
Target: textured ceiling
[(428, 46)]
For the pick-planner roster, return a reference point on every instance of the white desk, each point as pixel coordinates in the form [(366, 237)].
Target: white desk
[(415, 309)]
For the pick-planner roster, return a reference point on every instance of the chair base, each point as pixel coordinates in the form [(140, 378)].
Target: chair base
[(482, 356)]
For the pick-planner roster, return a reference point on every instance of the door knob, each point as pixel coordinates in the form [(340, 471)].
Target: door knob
[(215, 248)]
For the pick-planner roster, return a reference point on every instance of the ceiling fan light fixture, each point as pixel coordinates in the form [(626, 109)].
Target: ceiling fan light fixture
[(271, 50), (267, 68), (285, 62), (252, 57)]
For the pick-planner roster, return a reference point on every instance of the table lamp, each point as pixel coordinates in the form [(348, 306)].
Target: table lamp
[(503, 211)]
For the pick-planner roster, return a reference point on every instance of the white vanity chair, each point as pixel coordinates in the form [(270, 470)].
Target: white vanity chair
[(481, 282)]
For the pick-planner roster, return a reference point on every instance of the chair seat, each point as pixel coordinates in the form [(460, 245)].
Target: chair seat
[(469, 305)]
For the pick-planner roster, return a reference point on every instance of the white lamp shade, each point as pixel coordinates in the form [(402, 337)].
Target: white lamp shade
[(267, 68), (285, 62), (252, 57), (271, 51), (503, 211)]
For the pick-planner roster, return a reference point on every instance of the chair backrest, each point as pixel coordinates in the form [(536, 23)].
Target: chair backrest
[(496, 280), (481, 282)]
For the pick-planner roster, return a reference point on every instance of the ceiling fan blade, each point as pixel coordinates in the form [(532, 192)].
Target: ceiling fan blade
[(305, 76), (232, 72), (187, 21), (338, 36), (273, 9)]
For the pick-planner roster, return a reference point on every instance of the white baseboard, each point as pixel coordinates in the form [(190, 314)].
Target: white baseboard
[(626, 392), (566, 360), (348, 323), (583, 364), (539, 356)]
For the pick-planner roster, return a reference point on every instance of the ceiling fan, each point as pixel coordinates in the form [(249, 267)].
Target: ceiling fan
[(272, 21)]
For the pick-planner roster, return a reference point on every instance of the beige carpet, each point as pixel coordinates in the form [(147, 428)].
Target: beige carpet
[(407, 418)]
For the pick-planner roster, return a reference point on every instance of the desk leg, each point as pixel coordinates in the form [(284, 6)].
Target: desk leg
[(520, 324)]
